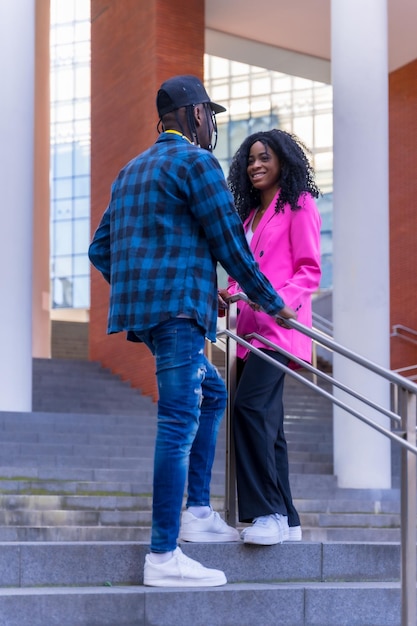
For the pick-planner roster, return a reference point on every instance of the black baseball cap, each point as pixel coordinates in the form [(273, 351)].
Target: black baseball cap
[(181, 91)]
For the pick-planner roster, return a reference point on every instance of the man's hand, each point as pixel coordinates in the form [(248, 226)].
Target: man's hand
[(222, 296), (288, 314)]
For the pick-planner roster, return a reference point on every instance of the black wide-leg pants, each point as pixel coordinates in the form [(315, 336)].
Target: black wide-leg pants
[(263, 485)]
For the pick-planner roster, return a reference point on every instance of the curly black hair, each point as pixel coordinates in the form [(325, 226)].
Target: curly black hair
[(296, 177)]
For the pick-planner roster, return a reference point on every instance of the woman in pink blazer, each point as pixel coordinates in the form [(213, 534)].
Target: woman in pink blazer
[(274, 189)]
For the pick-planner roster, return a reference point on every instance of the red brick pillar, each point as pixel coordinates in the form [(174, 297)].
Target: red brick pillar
[(403, 209), (135, 46)]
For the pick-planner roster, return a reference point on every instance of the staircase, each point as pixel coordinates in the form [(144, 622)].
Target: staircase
[(75, 492)]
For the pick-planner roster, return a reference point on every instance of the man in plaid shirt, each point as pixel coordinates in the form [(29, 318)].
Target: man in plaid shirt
[(170, 219)]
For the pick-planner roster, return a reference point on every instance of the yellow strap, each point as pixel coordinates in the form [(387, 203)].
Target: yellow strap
[(176, 132)]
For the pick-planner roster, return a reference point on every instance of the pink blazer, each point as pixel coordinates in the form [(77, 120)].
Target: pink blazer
[(287, 248)]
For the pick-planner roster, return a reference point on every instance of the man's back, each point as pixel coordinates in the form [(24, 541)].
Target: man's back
[(161, 263)]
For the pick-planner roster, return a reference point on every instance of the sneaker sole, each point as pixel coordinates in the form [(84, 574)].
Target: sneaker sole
[(262, 541), (183, 582), (293, 535), (208, 538)]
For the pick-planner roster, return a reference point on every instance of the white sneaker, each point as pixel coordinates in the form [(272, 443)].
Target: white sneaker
[(266, 530), (209, 529), (291, 533), (294, 533), (181, 571)]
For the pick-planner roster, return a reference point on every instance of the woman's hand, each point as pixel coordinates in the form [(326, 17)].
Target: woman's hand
[(287, 313)]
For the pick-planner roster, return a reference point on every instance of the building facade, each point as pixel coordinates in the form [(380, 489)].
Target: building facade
[(134, 47), (256, 99)]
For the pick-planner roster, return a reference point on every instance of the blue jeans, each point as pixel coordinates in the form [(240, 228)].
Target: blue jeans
[(192, 399)]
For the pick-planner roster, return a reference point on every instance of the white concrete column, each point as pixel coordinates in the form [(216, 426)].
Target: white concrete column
[(17, 34), (361, 230)]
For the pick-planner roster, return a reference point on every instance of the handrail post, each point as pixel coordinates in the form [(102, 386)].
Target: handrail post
[(314, 360), (408, 510), (230, 375)]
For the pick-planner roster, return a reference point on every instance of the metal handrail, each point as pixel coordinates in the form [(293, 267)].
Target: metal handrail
[(404, 371), (405, 437), (322, 323), (397, 327)]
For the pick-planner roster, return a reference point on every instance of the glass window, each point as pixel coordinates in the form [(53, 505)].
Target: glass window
[(81, 265), (64, 132), (220, 92), (81, 292), (240, 88), (62, 266), (81, 235), (82, 82), (217, 67), (82, 10), (62, 209), (260, 105), (81, 207), (323, 130), (281, 82), (82, 31), (239, 108), (239, 130), (81, 160), (301, 83), (62, 188), (70, 149), (62, 233), (63, 54), (81, 186), (323, 160), (261, 85), (238, 69), (82, 109), (64, 84), (82, 52), (62, 12), (81, 129), (62, 292), (63, 33), (323, 98), (63, 112), (62, 160), (222, 147), (303, 128), (283, 101)]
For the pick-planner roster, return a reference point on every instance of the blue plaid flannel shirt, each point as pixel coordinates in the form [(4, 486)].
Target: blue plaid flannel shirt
[(170, 219)]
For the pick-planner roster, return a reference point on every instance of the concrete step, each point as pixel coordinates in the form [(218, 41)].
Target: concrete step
[(79, 534), (127, 502), (20, 479), (92, 453), (97, 477), (301, 584), (239, 604), (29, 564), (38, 516), (364, 535), (61, 385), (142, 518), (103, 534), (74, 530)]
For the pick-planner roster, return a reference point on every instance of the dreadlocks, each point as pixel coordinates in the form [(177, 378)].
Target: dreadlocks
[(296, 177)]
